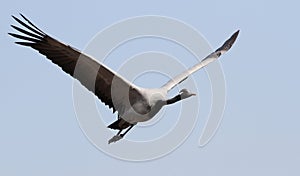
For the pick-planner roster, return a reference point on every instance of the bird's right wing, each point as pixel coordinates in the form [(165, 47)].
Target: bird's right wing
[(94, 76), (210, 58)]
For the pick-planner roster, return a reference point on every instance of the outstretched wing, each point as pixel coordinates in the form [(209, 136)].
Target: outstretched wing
[(94, 76), (210, 58)]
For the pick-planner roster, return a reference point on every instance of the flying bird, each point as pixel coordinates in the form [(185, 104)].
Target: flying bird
[(132, 103)]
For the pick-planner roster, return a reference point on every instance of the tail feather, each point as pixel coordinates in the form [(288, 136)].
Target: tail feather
[(120, 124)]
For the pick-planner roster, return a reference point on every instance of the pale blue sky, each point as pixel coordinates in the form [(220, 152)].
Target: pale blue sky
[(259, 134)]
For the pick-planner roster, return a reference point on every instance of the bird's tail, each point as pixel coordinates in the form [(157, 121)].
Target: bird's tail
[(119, 124)]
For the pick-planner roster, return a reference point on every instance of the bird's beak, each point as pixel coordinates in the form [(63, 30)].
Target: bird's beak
[(193, 94)]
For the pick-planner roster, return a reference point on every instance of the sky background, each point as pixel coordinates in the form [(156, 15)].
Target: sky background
[(259, 134)]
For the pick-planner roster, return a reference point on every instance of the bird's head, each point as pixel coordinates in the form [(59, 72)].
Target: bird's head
[(184, 93)]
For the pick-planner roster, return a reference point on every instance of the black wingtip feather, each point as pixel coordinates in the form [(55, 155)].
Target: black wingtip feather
[(234, 36), (23, 37), (31, 28), (25, 43), (31, 23), (13, 17), (26, 32), (228, 43)]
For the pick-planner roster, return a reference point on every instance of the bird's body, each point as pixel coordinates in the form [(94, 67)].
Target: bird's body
[(142, 109), (154, 100), (132, 103)]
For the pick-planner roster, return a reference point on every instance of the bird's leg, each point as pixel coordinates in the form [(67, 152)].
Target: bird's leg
[(122, 135), (119, 132), (119, 136), (116, 137)]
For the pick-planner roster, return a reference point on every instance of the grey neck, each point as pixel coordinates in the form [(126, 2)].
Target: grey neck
[(174, 99)]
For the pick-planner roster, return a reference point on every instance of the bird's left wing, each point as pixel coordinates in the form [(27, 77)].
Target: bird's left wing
[(210, 58), (94, 76)]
